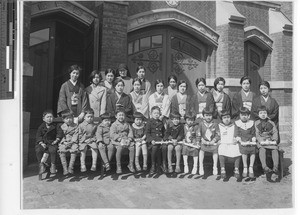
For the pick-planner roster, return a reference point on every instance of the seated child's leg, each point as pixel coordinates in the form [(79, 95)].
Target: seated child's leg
[(64, 164), (201, 158), (72, 161), (185, 163), (245, 164), (111, 150), (52, 151), (252, 159), (262, 157), (215, 165), (82, 159), (222, 164), (195, 166), (170, 153), (131, 158), (178, 157), (153, 155), (137, 156), (39, 151), (145, 156), (275, 158), (94, 157), (102, 151), (236, 167), (164, 150)]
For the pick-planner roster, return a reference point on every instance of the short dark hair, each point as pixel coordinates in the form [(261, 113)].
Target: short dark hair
[(106, 115), (117, 80), (182, 82), (207, 110), (93, 74), (138, 115), (172, 77), (217, 80), (89, 111), (74, 67), (155, 108), (175, 115), (264, 83), (67, 113), (109, 70), (123, 66), (190, 115), (158, 81), (140, 67), (48, 111), (225, 113), (198, 80), (245, 78), (262, 108), (244, 110), (120, 109), (136, 79)]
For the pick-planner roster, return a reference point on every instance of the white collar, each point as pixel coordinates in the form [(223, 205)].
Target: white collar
[(74, 83), (266, 99), (244, 125)]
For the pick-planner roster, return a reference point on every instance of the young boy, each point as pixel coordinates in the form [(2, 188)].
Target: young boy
[(47, 137), (139, 135), (210, 135), (122, 137), (69, 142), (246, 137), (174, 134), (190, 132), (155, 132), (105, 146), (228, 146), (87, 138), (266, 132)]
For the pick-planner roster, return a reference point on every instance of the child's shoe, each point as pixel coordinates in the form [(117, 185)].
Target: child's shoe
[(170, 169), (131, 168), (201, 170), (194, 170), (93, 168), (53, 169), (223, 173), (137, 166), (107, 166), (42, 168), (177, 169), (251, 173), (186, 169), (164, 167), (215, 171), (152, 170), (237, 173), (245, 172), (145, 168), (83, 168)]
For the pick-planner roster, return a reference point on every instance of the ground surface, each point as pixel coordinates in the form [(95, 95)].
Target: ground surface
[(160, 191)]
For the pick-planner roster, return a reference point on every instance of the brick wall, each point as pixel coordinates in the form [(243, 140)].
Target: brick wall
[(287, 9), (256, 15), (205, 11), (287, 42), (113, 38)]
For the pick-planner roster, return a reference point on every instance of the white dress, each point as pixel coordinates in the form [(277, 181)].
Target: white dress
[(227, 147)]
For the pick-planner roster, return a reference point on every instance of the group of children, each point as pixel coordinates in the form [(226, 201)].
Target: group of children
[(188, 137)]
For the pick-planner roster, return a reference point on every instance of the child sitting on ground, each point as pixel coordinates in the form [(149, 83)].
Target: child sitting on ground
[(105, 146), (228, 145), (154, 132), (267, 138), (190, 131), (69, 142), (139, 135), (174, 134), (210, 135), (245, 136), (122, 137), (87, 138), (47, 137)]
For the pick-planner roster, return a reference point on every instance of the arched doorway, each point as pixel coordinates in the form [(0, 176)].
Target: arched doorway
[(166, 50)]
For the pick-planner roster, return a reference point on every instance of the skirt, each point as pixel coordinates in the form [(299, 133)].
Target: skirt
[(246, 150), (190, 151), (64, 148), (229, 150), (209, 148)]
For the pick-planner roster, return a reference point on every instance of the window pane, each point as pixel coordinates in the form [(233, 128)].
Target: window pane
[(39, 37), (157, 41), (145, 43), (136, 46), (183, 46), (130, 48)]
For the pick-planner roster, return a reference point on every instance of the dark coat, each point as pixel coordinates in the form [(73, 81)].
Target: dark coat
[(48, 135), (237, 102), (155, 130), (190, 105), (174, 132)]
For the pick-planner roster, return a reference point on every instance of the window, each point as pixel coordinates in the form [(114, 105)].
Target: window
[(144, 44), (39, 37), (183, 46)]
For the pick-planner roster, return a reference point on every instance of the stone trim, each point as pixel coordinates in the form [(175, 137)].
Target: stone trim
[(281, 84), (176, 18), (258, 37)]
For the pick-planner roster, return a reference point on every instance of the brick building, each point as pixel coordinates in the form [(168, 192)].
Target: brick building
[(188, 38)]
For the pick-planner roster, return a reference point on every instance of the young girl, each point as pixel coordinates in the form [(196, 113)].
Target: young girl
[(69, 142), (124, 74), (155, 131), (228, 146), (110, 75), (221, 99), (145, 84), (190, 131), (160, 99), (105, 146), (171, 90), (96, 94), (87, 138), (203, 98), (139, 99), (122, 137), (119, 99), (139, 135), (210, 135), (244, 98), (174, 134), (245, 136), (182, 102)]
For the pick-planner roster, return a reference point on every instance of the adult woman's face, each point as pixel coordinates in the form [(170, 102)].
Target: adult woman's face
[(123, 72), (182, 88), (96, 79), (120, 87), (220, 86), (172, 83), (74, 75), (136, 86), (246, 85), (264, 90), (201, 87), (141, 73), (159, 88), (109, 77)]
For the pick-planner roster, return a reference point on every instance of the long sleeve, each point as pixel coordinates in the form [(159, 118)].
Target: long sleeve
[(114, 132), (181, 133), (167, 135), (59, 132), (274, 132), (103, 102), (274, 113), (149, 137), (210, 102), (166, 106), (110, 107), (259, 138), (39, 134), (227, 103), (62, 99), (235, 105), (217, 136), (174, 107), (84, 101), (99, 134), (130, 133)]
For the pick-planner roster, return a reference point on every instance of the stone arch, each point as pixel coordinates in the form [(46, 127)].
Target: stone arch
[(258, 37), (175, 18)]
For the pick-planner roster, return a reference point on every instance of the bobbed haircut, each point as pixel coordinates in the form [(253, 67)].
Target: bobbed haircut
[(172, 77), (262, 108), (89, 111), (155, 108), (136, 79), (158, 81), (264, 83), (217, 80), (244, 110), (140, 67), (245, 78), (198, 80), (48, 111), (118, 80), (182, 82), (109, 70), (93, 74), (74, 67)]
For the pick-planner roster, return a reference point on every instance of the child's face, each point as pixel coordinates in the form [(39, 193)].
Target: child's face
[(262, 114), (159, 88), (68, 120), (123, 72), (201, 86), (136, 86), (138, 121), (155, 114), (172, 83), (48, 118), (175, 121), (246, 85), (244, 117), (189, 121), (89, 118), (264, 90), (74, 75), (226, 119), (182, 88), (106, 122), (207, 117), (96, 79), (220, 86), (141, 73), (120, 87), (120, 116), (109, 77)]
